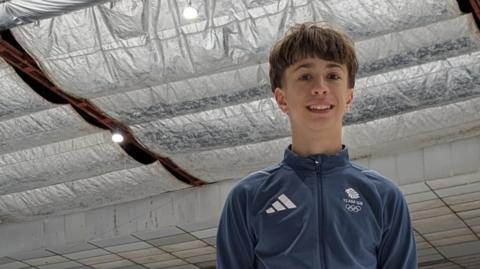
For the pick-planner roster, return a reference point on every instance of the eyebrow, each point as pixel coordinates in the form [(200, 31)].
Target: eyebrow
[(309, 65), (335, 65), (306, 65)]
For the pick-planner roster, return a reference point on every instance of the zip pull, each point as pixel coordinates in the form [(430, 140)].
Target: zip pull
[(317, 165)]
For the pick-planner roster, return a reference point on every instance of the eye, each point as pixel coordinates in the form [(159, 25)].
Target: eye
[(305, 77), (334, 76)]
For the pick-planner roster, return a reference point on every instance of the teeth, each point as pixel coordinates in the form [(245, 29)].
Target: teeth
[(320, 107)]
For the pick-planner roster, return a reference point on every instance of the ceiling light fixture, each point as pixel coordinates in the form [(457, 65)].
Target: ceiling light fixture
[(117, 137), (190, 12)]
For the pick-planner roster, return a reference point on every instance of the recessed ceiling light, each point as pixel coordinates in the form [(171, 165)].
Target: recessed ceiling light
[(190, 12), (117, 137)]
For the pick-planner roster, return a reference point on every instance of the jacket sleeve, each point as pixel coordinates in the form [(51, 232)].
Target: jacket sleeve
[(397, 249), (235, 243)]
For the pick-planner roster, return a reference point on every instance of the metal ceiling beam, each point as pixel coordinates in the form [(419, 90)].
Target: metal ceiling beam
[(28, 69), (476, 8)]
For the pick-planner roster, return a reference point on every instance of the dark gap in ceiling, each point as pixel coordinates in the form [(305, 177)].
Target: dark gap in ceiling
[(137, 153), (35, 85), (465, 6), (33, 76), (90, 119), (41, 90), (7, 36), (471, 6)]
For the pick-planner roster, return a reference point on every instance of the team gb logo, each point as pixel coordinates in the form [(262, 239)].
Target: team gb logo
[(353, 204), (352, 194)]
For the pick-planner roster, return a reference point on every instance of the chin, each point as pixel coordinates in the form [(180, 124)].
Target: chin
[(324, 124)]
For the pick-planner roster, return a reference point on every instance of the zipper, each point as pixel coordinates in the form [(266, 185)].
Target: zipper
[(320, 242), (322, 226)]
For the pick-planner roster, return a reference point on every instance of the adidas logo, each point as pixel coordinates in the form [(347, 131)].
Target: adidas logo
[(281, 204), (352, 194)]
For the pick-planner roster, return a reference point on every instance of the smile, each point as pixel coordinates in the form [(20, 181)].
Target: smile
[(320, 107)]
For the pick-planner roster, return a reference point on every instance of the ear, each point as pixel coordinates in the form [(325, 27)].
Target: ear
[(281, 99), (349, 99)]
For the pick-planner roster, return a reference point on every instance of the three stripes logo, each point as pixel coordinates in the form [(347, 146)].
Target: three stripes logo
[(281, 204)]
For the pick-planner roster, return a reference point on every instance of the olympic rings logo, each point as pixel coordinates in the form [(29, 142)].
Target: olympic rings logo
[(353, 208)]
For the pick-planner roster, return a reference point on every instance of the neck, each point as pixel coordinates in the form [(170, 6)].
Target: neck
[(307, 144)]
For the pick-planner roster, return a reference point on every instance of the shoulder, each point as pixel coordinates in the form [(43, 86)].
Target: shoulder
[(393, 203), (385, 186), (248, 186)]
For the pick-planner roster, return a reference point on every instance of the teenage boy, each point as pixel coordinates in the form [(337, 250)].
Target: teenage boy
[(315, 209)]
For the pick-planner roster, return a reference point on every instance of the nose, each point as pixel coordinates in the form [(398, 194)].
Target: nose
[(320, 88)]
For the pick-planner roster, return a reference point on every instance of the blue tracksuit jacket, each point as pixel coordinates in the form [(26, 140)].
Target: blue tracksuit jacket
[(317, 212)]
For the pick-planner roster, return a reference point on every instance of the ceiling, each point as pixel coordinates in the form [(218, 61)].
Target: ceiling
[(198, 93)]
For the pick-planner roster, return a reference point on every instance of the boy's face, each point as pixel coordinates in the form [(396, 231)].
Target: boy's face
[(315, 95)]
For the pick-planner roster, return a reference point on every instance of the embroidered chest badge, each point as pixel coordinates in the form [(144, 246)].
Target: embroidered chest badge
[(352, 204)]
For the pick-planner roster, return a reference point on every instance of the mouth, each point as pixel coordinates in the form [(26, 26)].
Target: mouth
[(320, 108)]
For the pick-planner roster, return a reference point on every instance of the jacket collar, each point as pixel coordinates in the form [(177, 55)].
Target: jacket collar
[(323, 162)]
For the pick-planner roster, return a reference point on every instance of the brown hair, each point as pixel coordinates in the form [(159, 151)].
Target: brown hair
[(312, 39)]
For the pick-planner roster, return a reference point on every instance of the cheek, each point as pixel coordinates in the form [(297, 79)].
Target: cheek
[(295, 103)]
